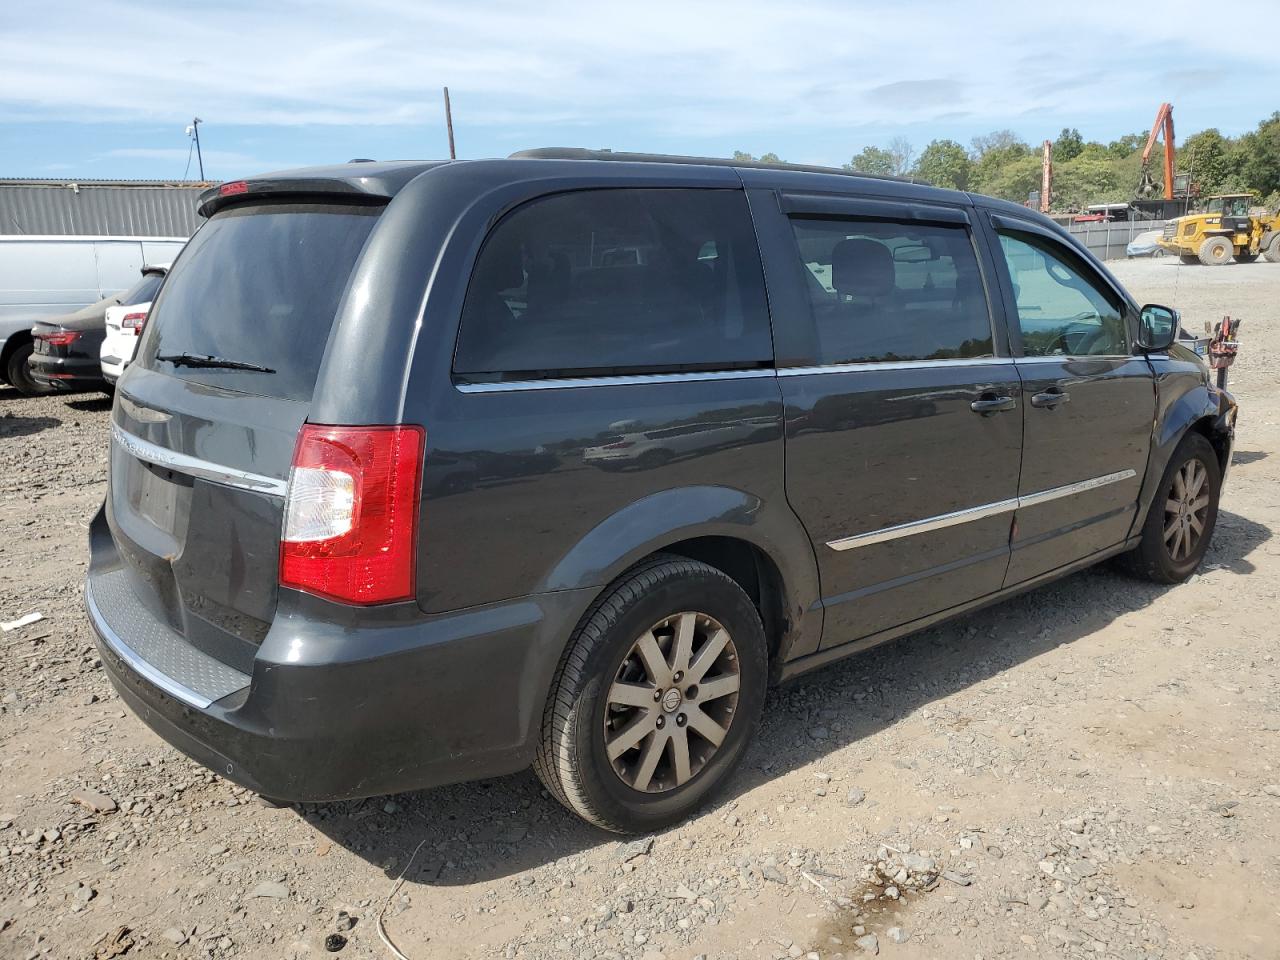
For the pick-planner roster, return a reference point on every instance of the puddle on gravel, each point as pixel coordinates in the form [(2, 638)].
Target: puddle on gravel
[(835, 933)]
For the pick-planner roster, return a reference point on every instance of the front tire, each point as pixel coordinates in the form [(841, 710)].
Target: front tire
[(1272, 252), (656, 697), (1216, 251), (1181, 518)]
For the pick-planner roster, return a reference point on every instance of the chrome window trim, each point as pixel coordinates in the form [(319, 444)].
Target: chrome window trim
[(194, 466), (969, 514), (136, 663), (569, 383), (1076, 357), (893, 365)]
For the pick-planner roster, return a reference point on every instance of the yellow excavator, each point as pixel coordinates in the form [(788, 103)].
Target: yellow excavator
[(1225, 230)]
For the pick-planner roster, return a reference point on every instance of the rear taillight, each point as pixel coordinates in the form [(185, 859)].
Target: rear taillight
[(134, 322), (59, 339), (351, 514)]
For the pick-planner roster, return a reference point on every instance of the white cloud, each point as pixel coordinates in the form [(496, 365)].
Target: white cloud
[(669, 67)]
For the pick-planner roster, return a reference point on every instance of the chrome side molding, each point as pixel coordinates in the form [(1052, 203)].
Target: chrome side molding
[(195, 467), (977, 513)]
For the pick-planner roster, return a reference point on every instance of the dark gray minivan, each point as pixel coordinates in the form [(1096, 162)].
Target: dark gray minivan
[(427, 472)]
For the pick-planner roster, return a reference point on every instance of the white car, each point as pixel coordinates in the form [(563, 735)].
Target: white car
[(125, 323)]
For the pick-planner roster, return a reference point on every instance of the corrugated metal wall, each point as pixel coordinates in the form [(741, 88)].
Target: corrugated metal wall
[(66, 208)]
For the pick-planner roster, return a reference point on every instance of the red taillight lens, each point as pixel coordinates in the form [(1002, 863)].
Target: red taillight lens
[(351, 515), (134, 322), (59, 339)]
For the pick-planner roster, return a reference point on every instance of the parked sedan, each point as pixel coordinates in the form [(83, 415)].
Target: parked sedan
[(65, 349), (125, 322), (1145, 245)]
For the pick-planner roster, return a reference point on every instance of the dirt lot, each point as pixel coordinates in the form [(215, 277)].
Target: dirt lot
[(1090, 770)]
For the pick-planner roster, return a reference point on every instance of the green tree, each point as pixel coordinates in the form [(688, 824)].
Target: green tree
[(1068, 146), (872, 160), (1258, 156), (1014, 179), (944, 163), (1087, 178), (1210, 160), (742, 156), (988, 168), (1127, 145)]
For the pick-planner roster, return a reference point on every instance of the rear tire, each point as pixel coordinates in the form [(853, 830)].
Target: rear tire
[(1162, 556), (1216, 251), (616, 677), (19, 373)]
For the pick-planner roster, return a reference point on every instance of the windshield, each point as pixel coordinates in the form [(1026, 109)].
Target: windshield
[(1230, 206), (258, 285)]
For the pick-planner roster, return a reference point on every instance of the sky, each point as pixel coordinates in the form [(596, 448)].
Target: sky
[(106, 88)]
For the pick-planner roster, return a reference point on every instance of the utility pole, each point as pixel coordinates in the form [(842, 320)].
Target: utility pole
[(195, 130), (448, 122)]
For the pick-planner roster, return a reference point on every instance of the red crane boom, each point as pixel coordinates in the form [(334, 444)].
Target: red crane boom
[(1164, 119)]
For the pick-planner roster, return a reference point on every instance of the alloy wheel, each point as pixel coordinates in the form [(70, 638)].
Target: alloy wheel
[(671, 702), (1186, 510)]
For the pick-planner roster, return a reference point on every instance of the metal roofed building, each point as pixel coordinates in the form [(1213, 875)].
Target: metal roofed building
[(99, 208)]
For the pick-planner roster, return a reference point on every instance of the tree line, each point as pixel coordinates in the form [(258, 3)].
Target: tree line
[(1001, 164)]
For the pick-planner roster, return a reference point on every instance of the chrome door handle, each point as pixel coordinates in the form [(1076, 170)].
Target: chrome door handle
[(1050, 399), (989, 405)]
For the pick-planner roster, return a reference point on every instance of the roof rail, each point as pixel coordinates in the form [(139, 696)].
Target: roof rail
[(581, 153)]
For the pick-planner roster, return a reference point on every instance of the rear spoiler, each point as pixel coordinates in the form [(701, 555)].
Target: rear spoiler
[(355, 189)]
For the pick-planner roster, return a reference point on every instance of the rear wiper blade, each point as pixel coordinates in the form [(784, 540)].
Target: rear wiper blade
[(209, 361)]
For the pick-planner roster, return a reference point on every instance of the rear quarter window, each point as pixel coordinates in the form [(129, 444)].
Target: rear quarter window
[(617, 281), (258, 284)]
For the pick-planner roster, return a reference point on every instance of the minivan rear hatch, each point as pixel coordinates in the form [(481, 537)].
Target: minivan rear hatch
[(208, 414)]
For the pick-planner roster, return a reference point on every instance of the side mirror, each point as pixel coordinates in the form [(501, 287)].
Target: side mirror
[(1159, 327)]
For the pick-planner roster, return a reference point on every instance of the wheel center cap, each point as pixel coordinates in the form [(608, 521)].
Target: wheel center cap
[(671, 700)]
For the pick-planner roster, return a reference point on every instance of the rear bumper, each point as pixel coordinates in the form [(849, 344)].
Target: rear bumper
[(333, 712), (65, 373), (112, 369)]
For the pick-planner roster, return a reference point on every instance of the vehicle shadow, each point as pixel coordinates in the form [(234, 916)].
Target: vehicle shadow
[(91, 403), (480, 832), (11, 426), (1247, 456)]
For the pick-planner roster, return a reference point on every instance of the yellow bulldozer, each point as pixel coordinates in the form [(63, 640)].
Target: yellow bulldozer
[(1225, 230)]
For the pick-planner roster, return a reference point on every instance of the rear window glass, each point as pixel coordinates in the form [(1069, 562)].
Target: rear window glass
[(617, 281), (258, 285), (144, 291)]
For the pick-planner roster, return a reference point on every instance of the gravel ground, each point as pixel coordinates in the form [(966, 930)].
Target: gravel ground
[(1087, 770)]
